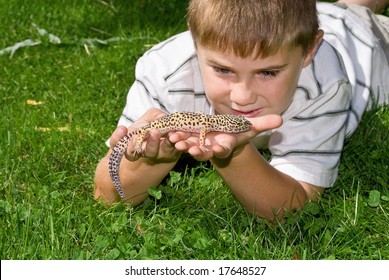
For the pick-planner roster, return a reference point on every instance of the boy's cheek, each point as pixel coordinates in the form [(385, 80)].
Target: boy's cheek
[(213, 83), (216, 92)]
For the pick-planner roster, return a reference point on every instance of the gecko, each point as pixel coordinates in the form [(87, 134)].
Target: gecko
[(179, 121)]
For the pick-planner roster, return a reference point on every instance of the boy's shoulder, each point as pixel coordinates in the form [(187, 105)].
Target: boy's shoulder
[(323, 86), (343, 22), (170, 62), (326, 70), (328, 65), (173, 51)]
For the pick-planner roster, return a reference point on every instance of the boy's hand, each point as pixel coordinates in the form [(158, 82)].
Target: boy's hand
[(220, 144), (155, 149)]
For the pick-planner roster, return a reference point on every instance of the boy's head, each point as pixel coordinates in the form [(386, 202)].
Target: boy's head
[(247, 27)]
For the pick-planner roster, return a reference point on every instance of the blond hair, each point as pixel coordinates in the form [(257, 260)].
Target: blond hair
[(247, 27)]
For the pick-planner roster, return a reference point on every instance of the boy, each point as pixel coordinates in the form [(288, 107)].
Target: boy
[(267, 61)]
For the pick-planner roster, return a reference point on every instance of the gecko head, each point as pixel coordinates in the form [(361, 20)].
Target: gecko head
[(239, 123)]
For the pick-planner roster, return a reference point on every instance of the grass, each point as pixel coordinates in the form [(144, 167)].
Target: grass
[(60, 102)]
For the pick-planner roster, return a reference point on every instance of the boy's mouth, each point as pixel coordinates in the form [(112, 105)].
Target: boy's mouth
[(247, 114)]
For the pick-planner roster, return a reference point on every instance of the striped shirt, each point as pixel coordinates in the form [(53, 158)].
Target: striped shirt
[(332, 94)]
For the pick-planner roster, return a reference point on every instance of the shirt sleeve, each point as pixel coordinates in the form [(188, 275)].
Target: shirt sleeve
[(142, 96), (144, 93)]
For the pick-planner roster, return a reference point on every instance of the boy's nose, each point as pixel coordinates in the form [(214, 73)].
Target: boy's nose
[(242, 93)]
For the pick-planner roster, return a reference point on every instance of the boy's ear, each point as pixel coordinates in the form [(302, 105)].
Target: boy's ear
[(312, 51)]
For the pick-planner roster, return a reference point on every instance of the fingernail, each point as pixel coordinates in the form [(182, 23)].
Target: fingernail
[(121, 130)]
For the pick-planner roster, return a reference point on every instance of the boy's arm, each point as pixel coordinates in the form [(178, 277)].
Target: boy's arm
[(260, 187), (136, 178)]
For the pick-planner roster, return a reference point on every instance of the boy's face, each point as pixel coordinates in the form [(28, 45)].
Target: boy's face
[(251, 86)]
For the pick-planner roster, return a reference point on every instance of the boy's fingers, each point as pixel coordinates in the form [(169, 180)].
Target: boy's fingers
[(152, 145), (176, 136), (265, 123), (200, 153), (221, 151), (152, 114), (118, 134)]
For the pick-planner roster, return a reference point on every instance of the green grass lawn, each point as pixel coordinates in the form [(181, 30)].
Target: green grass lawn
[(60, 102)]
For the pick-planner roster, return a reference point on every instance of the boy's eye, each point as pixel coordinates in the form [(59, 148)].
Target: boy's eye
[(269, 73), (221, 70)]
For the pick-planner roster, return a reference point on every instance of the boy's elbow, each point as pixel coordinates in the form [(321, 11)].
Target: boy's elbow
[(313, 192)]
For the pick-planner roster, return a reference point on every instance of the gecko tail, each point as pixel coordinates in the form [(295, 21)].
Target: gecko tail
[(114, 164)]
